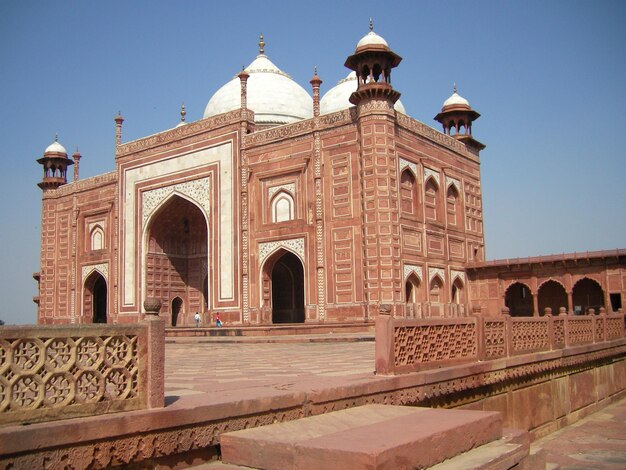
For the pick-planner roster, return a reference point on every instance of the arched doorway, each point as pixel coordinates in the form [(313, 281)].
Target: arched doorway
[(287, 279), (551, 294), (587, 294), (95, 298), (413, 296), (177, 307), (175, 260), (519, 300)]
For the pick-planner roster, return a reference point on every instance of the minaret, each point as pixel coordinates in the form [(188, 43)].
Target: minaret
[(55, 163), (76, 157), (382, 267), (457, 116)]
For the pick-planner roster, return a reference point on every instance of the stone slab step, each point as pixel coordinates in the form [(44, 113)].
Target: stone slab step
[(365, 437)]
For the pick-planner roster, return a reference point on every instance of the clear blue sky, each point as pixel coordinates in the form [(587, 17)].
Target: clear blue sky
[(548, 77)]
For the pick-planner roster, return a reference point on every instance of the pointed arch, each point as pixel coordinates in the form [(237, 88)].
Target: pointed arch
[(96, 237), (408, 194), (587, 293), (431, 199), (519, 299), (95, 298), (175, 253), (457, 292), (454, 212), (283, 286), (283, 206)]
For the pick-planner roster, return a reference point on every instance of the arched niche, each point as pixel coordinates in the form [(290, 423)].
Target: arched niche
[(95, 298), (551, 294), (586, 294), (519, 299), (283, 286)]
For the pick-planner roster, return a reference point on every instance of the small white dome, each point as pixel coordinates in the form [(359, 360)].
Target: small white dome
[(338, 97), (55, 147), (456, 100), (370, 39), (273, 96), (180, 124)]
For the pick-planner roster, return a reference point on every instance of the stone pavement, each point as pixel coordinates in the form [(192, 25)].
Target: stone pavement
[(595, 442), (206, 366), (200, 370)]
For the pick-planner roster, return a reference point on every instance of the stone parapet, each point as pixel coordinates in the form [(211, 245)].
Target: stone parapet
[(49, 373), (412, 345)]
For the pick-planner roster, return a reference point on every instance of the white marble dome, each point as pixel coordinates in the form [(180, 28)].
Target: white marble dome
[(55, 147), (371, 39), (273, 96), (338, 97), (455, 100)]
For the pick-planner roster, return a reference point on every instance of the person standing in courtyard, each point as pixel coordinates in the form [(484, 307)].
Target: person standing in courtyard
[(197, 319), (218, 320)]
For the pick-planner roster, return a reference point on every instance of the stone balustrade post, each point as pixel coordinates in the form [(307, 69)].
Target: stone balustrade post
[(508, 329), (385, 347), (155, 355), (562, 311), (547, 312)]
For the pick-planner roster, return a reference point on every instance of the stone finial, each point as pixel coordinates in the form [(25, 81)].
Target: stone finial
[(152, 306), (261, 45), (562, 311), (591, 311), (371, 24), (505, 311), (183, 113), (547, 311), (454, 88)]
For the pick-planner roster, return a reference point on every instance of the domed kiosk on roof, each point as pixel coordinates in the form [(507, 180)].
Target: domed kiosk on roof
[(271, 93)]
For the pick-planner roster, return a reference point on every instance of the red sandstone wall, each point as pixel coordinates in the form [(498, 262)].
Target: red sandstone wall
[(68, 213)]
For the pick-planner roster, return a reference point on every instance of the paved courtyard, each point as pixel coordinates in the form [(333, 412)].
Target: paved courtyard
[(197, 367)]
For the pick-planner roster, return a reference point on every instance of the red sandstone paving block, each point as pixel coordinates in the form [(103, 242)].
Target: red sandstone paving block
[(371, 436)]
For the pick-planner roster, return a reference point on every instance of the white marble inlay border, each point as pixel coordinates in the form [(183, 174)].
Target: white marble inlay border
[(102, 268), (291, 187), (457, 274), (428, 173), (293, 244), (405, 163), (453, 181), (222, 156), (197, 190), (411, 268), (432, 272)]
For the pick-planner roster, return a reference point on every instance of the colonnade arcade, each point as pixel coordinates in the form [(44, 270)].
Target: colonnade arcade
[(586, 294)]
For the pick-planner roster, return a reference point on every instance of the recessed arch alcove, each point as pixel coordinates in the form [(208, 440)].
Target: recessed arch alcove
[(283, 286), (175, 254), (95, 298)]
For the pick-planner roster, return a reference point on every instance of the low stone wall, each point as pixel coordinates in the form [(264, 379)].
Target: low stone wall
[(53, 372), (404, 346)]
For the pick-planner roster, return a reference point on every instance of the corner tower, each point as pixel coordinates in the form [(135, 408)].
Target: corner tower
[(55, 163), (457, 116), (374, 97)]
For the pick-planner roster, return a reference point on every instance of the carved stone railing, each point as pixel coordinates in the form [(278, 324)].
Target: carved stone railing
[(404, 345), (57, 372)]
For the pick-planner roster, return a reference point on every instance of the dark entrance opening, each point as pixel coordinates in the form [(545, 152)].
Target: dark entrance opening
[(519, 300), (177, 305), (551, 294), (616, 301), (587, 294), (100, 300), (95, 298), (288, 290)]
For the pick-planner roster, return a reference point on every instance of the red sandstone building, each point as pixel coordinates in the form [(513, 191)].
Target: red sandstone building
[(281, 208)]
